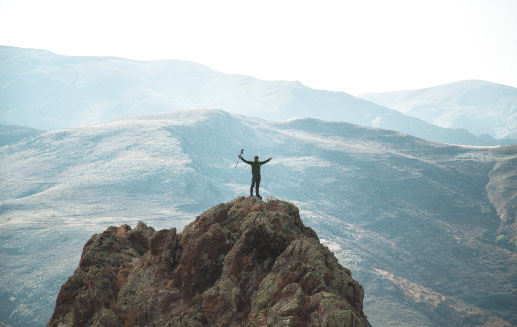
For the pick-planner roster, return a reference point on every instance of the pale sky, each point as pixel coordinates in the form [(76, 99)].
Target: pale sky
[(351, 46)]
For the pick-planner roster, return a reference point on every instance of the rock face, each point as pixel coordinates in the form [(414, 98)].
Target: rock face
[(242, 263)]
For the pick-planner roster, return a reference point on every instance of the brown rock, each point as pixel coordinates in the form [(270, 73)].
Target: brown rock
[(242, 263)]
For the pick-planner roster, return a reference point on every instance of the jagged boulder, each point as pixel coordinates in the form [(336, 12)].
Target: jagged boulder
[(242, 263)]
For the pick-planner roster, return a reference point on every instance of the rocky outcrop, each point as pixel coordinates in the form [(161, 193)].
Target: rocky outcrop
[(242, 263)]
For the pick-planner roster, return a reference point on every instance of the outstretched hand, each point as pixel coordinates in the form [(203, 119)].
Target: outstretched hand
[(269, 158)]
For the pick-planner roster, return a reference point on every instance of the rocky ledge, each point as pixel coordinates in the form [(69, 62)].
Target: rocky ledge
[(242, 263)]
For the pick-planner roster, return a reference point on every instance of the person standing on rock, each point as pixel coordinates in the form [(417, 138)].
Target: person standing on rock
[(255, 172)]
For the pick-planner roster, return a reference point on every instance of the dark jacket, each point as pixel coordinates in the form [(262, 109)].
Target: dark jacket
[(255, 165)]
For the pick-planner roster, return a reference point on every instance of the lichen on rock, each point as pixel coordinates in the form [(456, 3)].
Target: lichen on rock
[(241, 263)]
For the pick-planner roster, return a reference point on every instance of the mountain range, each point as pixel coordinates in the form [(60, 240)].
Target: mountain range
[(481, 107), (46, 91), (428, 229)]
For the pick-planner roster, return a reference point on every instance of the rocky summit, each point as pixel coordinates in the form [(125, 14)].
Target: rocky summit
[(241, 263)]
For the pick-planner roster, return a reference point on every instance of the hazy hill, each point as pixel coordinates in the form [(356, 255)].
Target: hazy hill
[(421, 224), (10, 134), (48, 91), (478, 106)]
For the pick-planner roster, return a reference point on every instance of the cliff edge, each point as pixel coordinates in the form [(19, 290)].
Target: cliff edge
[(241, 263)]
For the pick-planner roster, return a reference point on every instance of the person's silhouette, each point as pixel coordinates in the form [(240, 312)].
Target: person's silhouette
[(255, 172)]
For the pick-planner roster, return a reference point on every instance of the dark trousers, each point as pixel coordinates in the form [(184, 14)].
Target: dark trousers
[(255, 182)]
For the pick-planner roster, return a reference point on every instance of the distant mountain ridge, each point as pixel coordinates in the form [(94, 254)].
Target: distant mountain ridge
[(480, 107), (10, 134), (425, 227), (48, 91)]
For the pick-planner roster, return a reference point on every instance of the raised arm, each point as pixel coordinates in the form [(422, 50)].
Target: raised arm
[(246, 161), (266, 161)]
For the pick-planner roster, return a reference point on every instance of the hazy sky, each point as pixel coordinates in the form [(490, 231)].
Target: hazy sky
[(351, 46)]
